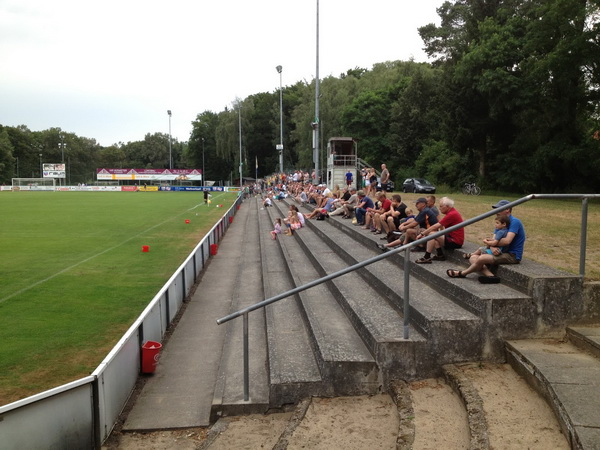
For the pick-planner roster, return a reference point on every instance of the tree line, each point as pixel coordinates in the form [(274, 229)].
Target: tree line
[(510, 100)]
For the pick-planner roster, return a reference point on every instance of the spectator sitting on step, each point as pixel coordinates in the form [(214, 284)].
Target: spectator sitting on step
[(390, 220), (350, 204), (364, 203), (338, 206), (328, 206), (452, 240), (412, 227), (513, 244), (501, 224), (424, 219), (302, 198), (384, 204), (431, 205), (337, 190), (267, 201)]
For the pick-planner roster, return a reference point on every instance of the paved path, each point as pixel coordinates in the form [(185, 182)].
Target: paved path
[(180, 393)]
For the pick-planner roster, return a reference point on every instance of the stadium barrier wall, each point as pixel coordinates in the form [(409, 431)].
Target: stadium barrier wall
[(82, 414), (123, 188)]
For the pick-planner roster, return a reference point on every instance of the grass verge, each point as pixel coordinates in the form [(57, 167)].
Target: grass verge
[(74, 277)]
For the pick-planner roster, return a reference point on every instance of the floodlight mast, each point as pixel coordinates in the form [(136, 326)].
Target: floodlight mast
[(280, 146), (170, 153), (315, 124)]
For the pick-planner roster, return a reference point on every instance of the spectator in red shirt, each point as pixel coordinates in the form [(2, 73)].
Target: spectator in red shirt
[(452, 240)]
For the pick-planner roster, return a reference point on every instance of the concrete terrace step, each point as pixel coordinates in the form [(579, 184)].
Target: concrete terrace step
[(378, 323), (586, 338), (569, 380), (442, 321), (293, 369), (551, 298), (248, 289), (346, 365)]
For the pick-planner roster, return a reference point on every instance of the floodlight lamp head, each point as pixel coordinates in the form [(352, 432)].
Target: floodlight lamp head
[(279, 69), (169, 112)]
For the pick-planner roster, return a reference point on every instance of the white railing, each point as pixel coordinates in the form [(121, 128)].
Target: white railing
[(82, 414)]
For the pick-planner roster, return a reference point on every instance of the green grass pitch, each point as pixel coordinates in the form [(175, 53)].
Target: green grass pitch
[(73, 276)]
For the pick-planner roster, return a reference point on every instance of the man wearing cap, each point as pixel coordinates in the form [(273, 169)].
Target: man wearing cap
[(412, 227), (423, 221), (512, 253)]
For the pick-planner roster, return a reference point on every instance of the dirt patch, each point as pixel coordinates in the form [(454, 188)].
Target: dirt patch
[(440, 416), (517, 417), (348, 423)]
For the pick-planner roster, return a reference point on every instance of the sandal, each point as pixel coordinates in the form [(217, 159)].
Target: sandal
[(423, 261), (455, 273), (467, 255)]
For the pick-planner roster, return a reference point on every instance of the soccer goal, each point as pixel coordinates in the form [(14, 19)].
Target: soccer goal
[(33, 184)]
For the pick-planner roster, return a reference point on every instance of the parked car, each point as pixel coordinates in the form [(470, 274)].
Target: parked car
[(418, 185), (390, 185)]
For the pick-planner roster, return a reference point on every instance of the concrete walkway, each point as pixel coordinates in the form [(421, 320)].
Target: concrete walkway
[(180, 393)]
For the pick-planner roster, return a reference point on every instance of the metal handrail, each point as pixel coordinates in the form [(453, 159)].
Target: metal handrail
[(406, 248)]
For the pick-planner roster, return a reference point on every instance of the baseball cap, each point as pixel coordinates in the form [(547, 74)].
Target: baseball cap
[(501, 204), (421, 200)]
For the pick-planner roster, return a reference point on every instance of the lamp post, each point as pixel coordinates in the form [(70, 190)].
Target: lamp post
[(61, 145), (315, 124), (203, 172), (240, 128), (41, 168), (280, 146), (170, 157)]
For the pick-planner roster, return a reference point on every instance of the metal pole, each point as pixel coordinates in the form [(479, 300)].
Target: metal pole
[(583, 240), (240, 127), (246, 361), (203, 172), (280, 69), (170, 157), (406, 306), (316, 122)]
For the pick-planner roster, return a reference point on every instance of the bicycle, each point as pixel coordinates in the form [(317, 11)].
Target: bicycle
[(471, 189)]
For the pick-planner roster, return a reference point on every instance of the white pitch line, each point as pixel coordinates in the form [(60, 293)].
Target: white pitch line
[(14, 294)]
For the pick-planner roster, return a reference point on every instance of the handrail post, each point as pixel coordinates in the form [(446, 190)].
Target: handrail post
[(583, 240), (406, 292), (246, 361)]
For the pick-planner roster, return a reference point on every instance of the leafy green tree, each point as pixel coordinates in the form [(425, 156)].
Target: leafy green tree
[(7, 161)]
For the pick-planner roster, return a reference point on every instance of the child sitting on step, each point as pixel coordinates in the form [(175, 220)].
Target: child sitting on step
[(276, 229), (501, 225)]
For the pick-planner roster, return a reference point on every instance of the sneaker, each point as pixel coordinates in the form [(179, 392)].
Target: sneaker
[(423, 261), (438, 258)]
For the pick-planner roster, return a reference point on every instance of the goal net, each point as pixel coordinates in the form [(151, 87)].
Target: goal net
[(33, 184)]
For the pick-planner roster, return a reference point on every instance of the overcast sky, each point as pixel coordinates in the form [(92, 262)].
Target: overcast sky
[(111, 69)]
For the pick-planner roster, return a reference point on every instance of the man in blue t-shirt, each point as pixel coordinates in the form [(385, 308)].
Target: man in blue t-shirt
[(364, 203), (513, 245)]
